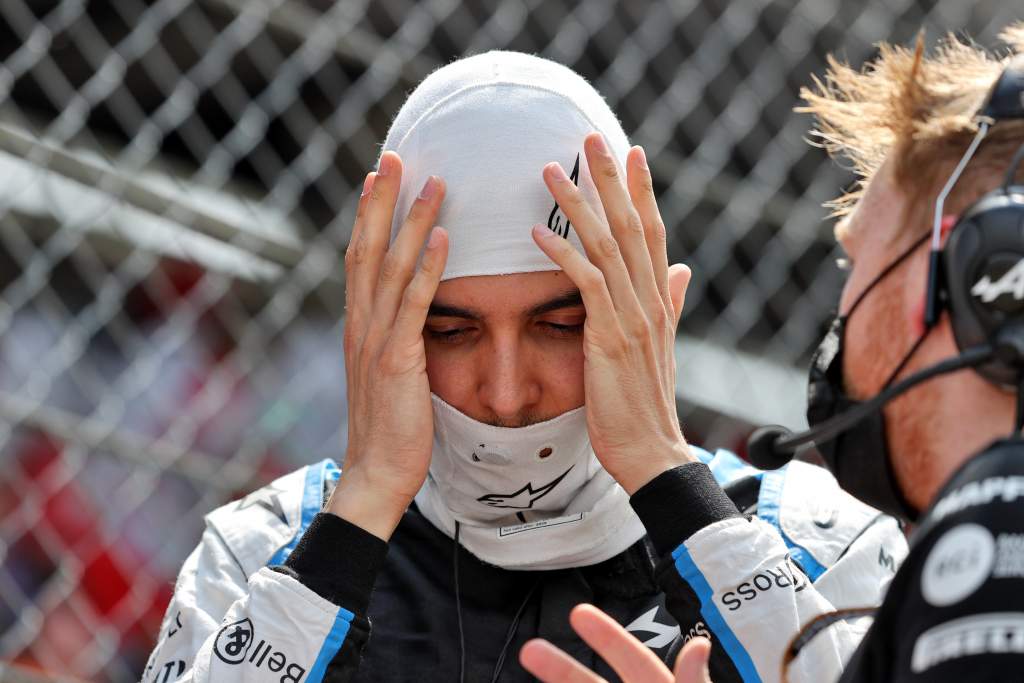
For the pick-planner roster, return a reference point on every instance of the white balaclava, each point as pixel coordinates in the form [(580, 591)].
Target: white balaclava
[(533, 497)]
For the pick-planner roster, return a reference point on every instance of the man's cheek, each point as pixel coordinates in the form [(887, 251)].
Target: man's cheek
[(875, 342), (853, 366), (863, 359), (561, 369), (451, 376)]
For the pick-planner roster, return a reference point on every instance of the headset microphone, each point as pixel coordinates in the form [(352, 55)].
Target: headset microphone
[(762, 451), (772, 447)]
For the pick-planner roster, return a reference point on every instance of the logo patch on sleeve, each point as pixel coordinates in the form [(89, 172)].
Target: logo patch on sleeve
[(958, 564), (233, 641)]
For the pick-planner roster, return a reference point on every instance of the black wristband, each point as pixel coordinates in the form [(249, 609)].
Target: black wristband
[(337, 560), (680, 502)]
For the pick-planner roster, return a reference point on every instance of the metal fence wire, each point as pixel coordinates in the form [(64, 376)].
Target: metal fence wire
[(177, 183)]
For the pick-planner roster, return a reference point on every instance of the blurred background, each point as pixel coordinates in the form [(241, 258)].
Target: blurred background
[(177, 183)]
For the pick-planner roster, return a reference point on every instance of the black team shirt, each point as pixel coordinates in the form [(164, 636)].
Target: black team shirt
[(955, 609)]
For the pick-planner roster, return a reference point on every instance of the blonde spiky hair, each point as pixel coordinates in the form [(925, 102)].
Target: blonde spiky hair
[(916, 109)]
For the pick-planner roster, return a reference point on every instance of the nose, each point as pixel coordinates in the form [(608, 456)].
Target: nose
[(508, 388)]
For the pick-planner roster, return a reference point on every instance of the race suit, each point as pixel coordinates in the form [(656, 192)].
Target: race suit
[(955, 611), (279, 592)]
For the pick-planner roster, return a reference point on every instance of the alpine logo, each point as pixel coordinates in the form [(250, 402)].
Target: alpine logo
[(664, 634), (524, 498), (1011, 282), (555, 223), (269, 499)]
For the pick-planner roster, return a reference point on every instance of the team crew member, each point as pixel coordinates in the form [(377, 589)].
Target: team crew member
[(956, 608), (514, 447), (935, 238)]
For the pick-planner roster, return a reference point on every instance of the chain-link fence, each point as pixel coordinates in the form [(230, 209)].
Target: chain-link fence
[(177, 182)]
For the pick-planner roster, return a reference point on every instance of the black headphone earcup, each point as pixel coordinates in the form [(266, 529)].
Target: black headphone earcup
[(983, 269)]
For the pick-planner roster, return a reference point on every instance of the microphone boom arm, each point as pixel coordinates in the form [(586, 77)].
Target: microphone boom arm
[(831, 428)]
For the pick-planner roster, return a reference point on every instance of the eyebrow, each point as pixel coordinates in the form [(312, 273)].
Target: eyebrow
[(567, 300)]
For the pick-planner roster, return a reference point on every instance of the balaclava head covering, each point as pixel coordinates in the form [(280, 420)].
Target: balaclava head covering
[(533, 497)]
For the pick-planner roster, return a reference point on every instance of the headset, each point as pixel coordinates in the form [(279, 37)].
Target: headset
[(978, 277)]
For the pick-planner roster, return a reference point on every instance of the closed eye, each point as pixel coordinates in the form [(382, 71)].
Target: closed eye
[(447, 336), (563, 330)]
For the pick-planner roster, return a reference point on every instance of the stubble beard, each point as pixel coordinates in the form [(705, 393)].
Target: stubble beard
[(913, 419)]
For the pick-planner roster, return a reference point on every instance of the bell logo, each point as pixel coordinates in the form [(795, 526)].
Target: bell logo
[(233, 641), (1012, 283), (235, 645)]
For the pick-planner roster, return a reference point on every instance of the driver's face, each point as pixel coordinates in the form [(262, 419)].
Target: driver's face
[(507, 349)]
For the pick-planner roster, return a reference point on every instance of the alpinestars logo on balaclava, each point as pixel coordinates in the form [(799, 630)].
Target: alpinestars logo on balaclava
[(524, 498), (578, 515), (554, 220)]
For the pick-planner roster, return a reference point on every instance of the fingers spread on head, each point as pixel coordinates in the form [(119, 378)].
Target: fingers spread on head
[(354, 253), (416, 300), (641, 191), (400, 260), (623, 219), (551, 665), (374, 232), (630, 658), (584, 274), (601, 247), (589, 226)]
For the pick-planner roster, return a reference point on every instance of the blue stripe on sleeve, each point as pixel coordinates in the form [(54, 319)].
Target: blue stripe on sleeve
[(768, 509), (332, 644), (688, 569), (312, 502), (728, 467)]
